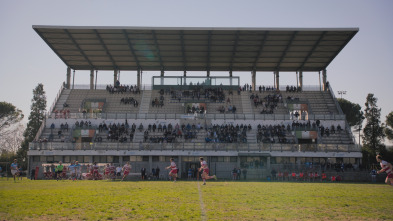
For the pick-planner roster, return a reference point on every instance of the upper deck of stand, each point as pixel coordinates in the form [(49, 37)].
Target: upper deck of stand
[(321, 104)]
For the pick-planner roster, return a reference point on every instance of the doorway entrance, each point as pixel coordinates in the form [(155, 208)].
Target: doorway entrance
[(191, 170)]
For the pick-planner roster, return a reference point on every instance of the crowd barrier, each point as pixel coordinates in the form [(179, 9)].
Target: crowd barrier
[(266, 147)]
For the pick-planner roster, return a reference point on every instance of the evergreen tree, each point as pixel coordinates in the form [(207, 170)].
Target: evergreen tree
[(37, 116), (389, 126), (373, 135), (353, 112)]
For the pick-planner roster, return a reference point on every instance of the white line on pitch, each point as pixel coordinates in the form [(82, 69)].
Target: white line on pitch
[(203, 212)]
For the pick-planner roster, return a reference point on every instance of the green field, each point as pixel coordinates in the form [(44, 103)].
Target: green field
[(218, 200)]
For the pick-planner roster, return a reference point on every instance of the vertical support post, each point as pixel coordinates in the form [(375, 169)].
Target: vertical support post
[(268, 163), (95, 87), (230, 77), (162, 75), (91, 79), (73, 80), (150, 163), (185, 73), (138, 78), (301, 79), (114, 77), (121, 160), (208, 73), (180, 167), (68, 78), (277, 85), (253, 79), (141, 80), (324, 78), (320, 80)]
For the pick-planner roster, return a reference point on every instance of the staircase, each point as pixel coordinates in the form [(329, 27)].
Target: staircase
[(62, 99), (246, 103), (145, 102), (252, 136), (138, 135)]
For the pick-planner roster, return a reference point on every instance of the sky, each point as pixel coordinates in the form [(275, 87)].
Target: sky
[(364, 66)]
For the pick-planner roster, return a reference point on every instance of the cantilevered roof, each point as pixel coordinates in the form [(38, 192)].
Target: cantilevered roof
[(196, 49)]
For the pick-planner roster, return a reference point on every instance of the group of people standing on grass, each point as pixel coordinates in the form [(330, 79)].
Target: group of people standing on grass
[(111, 171)]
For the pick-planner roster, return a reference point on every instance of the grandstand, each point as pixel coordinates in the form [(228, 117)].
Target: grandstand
[(259, 127)]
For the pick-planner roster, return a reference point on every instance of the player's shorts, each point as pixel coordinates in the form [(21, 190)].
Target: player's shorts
[(126, 173), (206, 170), (14, 172), (173, 171), (390, 175)]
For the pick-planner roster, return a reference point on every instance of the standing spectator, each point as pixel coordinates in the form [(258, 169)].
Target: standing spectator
[(96, 174), (239, 172), (71, 169), (234, 173), (20, 172), (373, 175), (189, 173), (78, 169), (274, 172), (143, 173), (14, 169), (153, 172), (244, 173), (59, 171), (118, 171), (158, 173), (342, 167)]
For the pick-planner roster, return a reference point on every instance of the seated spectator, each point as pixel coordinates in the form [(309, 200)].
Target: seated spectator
[(339, 128)]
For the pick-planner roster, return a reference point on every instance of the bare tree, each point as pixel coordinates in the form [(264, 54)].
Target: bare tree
[(11, 142)]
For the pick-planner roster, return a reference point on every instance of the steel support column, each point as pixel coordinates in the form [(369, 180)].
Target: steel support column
[(324, 78), (253, 79), (68, 81), (91, 79)]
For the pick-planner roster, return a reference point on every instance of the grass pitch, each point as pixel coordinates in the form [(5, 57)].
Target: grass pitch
[(164, 200)]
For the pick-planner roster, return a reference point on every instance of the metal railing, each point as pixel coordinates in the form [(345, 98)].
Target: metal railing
[(340, 111), (150, 87), (42, 127), (224, 116), (51, 109), (237, 147)]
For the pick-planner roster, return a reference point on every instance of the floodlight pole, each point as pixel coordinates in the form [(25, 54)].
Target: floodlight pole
[(341, 93), (360, 129)]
